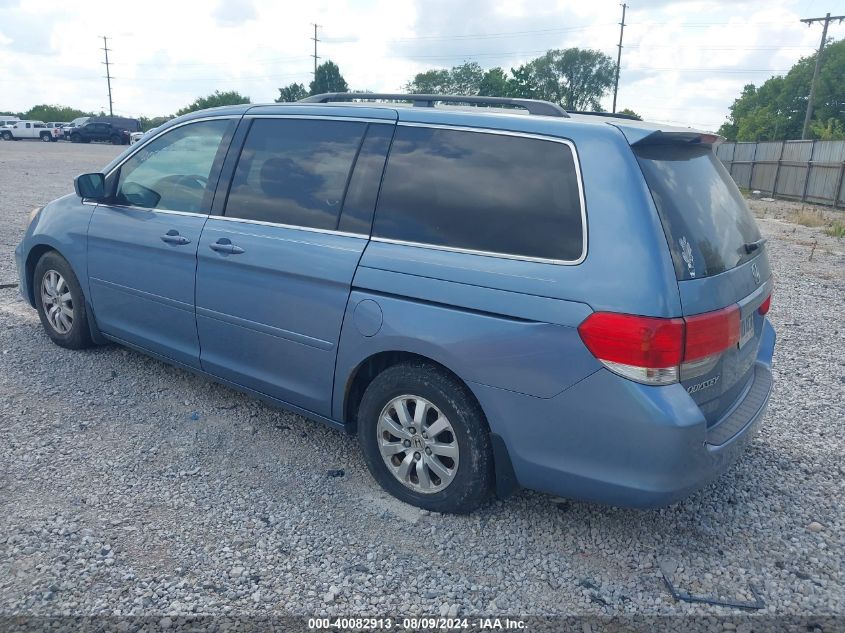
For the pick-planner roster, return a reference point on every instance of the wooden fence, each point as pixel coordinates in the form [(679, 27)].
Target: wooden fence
[(810, 171)]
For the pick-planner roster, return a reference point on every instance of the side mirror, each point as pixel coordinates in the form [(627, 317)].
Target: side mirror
[(90, 186)]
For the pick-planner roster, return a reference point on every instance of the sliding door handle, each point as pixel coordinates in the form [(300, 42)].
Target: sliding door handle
[(226, 247)]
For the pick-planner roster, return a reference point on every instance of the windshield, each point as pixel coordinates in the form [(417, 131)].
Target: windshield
[(704, 216)]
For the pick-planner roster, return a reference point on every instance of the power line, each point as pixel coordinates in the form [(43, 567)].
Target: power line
[(809, 21), (272, 60), (719, 48), (467, 36), (108, 73), (481, 36), (619, 56), (713, 70)]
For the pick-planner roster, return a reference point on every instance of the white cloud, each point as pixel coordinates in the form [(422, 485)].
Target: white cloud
[(683, 61)]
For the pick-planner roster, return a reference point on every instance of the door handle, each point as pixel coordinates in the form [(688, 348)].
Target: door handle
[(173, 237), (225, 246)]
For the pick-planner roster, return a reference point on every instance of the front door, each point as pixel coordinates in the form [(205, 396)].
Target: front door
[(142, 246), (274, 272)]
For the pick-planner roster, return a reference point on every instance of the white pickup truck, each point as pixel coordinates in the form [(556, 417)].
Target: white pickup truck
[(30, 129)]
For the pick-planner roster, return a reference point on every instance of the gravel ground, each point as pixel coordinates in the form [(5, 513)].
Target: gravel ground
[(131, 487)]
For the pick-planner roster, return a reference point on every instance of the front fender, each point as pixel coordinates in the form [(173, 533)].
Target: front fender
[(62, 226)]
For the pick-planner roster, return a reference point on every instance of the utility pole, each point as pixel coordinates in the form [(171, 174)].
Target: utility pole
[(316, 26), (619, 56), (809, 115), (108, 73)]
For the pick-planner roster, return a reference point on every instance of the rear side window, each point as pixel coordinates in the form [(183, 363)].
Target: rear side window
[(704, 216), (483, 192), (294, 171)]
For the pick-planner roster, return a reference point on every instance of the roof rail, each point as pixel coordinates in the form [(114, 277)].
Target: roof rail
[(546, 108), (614, 115)]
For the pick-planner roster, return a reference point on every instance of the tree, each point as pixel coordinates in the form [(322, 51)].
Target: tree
[(494, 83), (465, 79), (831, 130), (630, 112), (575, 78), (216, 99), (328, 79), (520, 83), (775, 110), (148, 123), (293, 92), (430, 82), (46, 113)]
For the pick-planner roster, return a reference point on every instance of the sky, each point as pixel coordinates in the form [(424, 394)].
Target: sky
[(683, 61)]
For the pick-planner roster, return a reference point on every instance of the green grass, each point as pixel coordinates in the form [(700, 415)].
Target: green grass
[(837, 229)]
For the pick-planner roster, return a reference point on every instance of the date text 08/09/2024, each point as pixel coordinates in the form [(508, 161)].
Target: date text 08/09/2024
[(417, 624)]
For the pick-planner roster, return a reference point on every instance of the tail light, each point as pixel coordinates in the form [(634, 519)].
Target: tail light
[(765, 306), (659, 351)]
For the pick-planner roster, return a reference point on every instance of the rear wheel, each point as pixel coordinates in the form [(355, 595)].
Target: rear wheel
[(60, 303), (425, 439), (45, 137), (116, 140)]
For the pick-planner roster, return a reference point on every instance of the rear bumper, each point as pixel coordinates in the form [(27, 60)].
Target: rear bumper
[(614, 441)]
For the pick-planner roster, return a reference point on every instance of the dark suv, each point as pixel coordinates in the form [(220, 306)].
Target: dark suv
[(100, 131)]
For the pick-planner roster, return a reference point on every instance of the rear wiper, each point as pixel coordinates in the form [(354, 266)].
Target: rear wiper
[(750, 247)]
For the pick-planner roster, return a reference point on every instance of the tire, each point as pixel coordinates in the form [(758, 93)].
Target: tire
[(45, 138), (116, 140), (49, 302), (413, 475), (7, 136), (75, 138)]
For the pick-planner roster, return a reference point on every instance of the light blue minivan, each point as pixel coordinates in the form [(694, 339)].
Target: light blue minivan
[(492, 295)]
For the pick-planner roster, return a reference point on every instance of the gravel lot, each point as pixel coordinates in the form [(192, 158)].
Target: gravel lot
[(131, 487)]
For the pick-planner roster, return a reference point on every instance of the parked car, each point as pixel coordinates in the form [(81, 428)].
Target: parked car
[(569, 303), (56, 125), (78, 122), (29, 130), (99, 131), (8, 120), (134, 137)]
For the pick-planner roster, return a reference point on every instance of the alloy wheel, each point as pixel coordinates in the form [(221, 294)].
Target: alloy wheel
[(418, 444), (57, 302)]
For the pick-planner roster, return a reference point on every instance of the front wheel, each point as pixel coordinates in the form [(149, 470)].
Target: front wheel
[(7, 136), (425, 439), (60, 303), (116, 140), (75, 138)]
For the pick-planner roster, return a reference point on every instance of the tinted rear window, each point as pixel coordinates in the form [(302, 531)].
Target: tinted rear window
[(294, 171), (704, 216), (483, 192)]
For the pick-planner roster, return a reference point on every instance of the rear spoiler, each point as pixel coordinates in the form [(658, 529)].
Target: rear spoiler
[(648, 134)]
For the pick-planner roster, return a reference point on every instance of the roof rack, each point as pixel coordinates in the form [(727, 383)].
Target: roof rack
[(615, 115), (546, 108)]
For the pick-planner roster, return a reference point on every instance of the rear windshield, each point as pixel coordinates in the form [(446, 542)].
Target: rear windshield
[(706, 220)]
